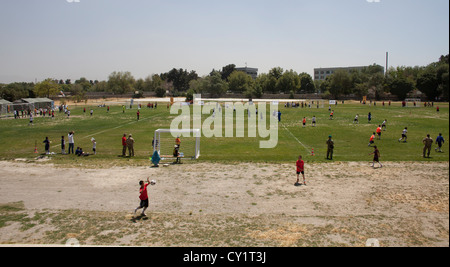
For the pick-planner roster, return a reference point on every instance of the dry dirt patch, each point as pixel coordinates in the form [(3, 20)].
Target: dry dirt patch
[(344, 204)]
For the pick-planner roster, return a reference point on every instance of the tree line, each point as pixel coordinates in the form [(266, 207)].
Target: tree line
[(432, 80)]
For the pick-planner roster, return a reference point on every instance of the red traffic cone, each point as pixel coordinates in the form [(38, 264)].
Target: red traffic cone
[(312, 152)]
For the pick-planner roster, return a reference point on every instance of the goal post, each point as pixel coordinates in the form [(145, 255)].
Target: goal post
[(413, 102), (189, 148)]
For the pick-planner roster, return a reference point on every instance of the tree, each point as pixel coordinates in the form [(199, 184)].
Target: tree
[(140, 85), (46, 88), (211, 85), (276, 72), (100, 87), (121, 82), (216, 87), (267, 83), (307, 83), (239, 82), (160, 91), (442, 75), (400, 87), (85, 84), (152, 82), (288, 82), (340, 84), (376, 82), (428, 83), (15, 91), (179, 78), (226, 71)]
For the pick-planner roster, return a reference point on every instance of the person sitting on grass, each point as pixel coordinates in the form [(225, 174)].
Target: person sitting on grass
[(79, 152)]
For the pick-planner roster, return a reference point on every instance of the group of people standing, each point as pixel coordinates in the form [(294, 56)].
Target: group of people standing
[(71, 146), (127, 144)]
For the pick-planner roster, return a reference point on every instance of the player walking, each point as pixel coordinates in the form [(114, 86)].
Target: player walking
[(330, 148), (428, 142), (439, 141), (376, 157)]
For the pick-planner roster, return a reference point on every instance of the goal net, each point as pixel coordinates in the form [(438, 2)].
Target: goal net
[(413, 102), (165, 141)]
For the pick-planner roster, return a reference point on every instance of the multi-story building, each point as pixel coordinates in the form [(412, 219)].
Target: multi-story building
[(250, 71)]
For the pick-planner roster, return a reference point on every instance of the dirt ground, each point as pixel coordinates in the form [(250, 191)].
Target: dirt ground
[(203, 204)]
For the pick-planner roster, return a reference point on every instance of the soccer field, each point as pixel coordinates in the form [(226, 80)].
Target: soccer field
[(236, 194), (18, 139)]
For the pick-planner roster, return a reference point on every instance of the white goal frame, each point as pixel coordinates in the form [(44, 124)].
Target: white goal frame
[(195, 133), (410, 102)]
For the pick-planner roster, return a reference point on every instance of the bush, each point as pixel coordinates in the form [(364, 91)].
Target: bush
[(160, 92)]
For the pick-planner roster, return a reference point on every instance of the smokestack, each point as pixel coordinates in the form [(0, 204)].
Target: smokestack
[(387, 63)]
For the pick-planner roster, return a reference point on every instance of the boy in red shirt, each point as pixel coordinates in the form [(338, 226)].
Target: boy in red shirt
[(124, 144), (379, 132), (143, 196), (372, 139), (300, 169)]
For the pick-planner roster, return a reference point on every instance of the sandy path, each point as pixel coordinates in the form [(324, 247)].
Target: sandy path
[(337, 189)]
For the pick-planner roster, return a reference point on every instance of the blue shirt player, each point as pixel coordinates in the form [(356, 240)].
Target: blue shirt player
[(439, 141)]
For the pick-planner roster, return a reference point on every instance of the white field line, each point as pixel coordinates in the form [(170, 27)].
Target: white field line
[(307, 148)]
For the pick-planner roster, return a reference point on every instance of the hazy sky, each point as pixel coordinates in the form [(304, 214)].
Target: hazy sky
[(57, 39)]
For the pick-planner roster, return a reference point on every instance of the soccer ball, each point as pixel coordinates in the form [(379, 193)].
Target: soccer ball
[(153, 182)]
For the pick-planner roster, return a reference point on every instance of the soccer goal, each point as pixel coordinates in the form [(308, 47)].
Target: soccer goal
[(413, 102), (165, 141)]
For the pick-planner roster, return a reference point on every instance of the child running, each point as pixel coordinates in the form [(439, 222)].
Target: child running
[(356, 119), (372, 139), (300, 170), (404, 137), (383, 125), (379, 132)]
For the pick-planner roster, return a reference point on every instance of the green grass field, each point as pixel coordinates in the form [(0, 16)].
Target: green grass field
[(17, 138)]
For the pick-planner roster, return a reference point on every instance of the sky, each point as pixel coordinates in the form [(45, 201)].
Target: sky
[(70, 39)]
